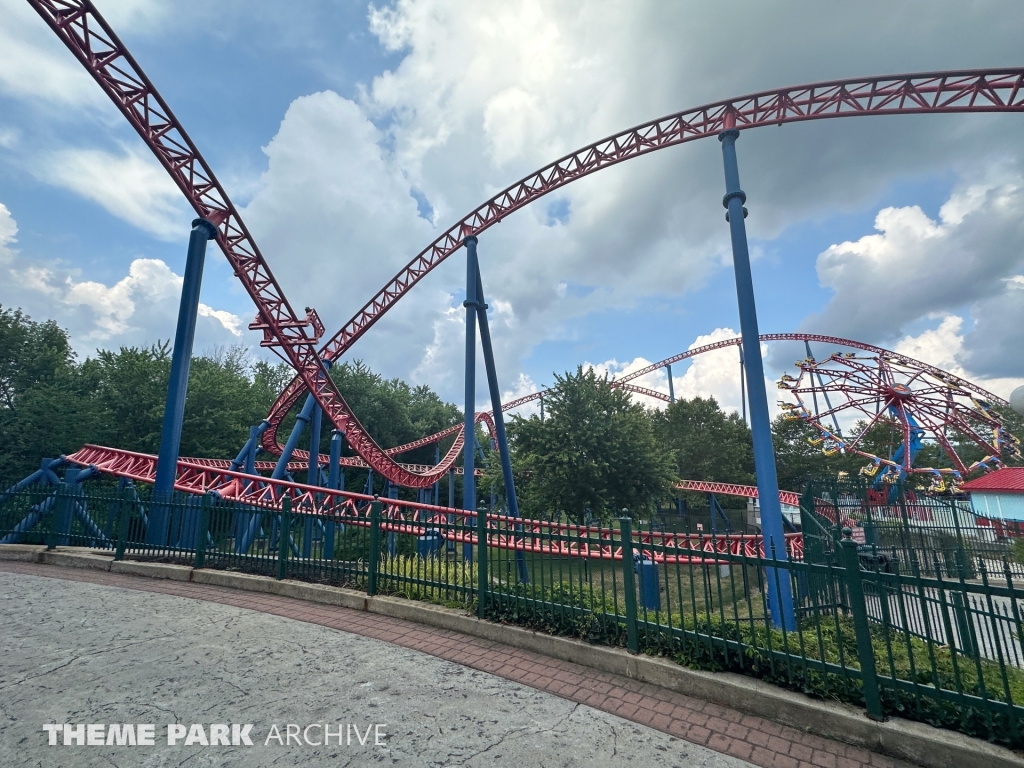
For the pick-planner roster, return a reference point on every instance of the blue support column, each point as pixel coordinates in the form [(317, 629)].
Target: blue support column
[(312, 475), (254, 447), (469, 426), (181, 358), (335, 481), (437, 485), (246, 458), (313, 469), (44, 475), (392, 493), (828, 403), (246, 462), (671, 385), (780, 596), (177, 386), (499, 419), (244, 541), (743, 386), (62, 517), (304, 417)]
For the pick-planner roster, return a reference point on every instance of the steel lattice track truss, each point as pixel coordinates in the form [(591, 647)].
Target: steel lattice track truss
[(920, 403), (295, 337)]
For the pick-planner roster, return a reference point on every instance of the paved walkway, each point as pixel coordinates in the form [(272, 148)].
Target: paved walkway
[(448, 699)]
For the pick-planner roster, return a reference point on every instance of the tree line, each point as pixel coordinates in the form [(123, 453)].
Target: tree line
[(51, 403), (595, 452)]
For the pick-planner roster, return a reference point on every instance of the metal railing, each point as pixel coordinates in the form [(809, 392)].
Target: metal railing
[(894, 635)]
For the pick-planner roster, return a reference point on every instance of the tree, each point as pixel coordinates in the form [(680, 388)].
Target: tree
[(596, 451), (393, 412), (131, 391), (708, 444), (223, 402), (797, 456), (31, 353), (47, 405)]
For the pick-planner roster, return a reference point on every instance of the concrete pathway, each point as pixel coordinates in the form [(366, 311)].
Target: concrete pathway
[(84, 653), (252, 671)]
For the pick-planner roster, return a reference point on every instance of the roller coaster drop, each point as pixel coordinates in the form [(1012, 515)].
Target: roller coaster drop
[(295, 337)]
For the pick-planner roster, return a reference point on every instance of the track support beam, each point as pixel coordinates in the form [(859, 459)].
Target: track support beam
[(780, 596), (469, 425), (499, 418), (181, 358)]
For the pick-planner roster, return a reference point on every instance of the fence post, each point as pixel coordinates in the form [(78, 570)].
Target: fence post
[(963, 625), (124, 515), (865, 650), (283, 534), (965, 568), (60, 508), (482, 581), (626, 532), (371, 579), (204, 530)]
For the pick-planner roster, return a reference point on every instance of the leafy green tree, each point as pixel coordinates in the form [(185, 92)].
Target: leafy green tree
[(223, 402), (131, 391), (31, 353), (708, 443), (596, 451), (797, 455), (46, 404)]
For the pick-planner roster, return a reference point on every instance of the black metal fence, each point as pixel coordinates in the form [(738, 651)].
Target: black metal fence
[(898, 628)]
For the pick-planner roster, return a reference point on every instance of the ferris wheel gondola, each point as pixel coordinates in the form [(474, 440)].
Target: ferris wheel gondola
[(920, 403)]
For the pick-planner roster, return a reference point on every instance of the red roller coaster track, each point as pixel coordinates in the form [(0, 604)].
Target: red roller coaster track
[(198, 475), (407, 517), (936, 92), (97, 47), (695, 351)]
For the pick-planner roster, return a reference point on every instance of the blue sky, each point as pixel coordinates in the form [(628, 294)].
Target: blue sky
[(351, 135)]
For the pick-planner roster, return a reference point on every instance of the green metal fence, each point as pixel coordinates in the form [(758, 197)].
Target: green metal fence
[(896, 635)]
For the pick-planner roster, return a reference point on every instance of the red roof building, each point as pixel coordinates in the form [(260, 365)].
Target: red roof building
[(1006, 480), (999, 498)]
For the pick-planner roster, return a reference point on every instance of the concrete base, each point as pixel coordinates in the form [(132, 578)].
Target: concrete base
[(28, 553), (152, 570), (914, 742), (69, 558)]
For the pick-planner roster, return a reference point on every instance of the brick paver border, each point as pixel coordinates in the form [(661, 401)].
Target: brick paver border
[(724, 730)]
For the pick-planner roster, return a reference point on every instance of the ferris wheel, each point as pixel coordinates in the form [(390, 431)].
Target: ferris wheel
[(847, 395)]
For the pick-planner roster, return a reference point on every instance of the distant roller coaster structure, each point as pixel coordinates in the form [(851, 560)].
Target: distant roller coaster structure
[(298, 337)]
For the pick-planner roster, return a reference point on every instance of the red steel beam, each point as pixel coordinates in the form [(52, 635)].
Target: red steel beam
[(407, 517), (988, 90), (88, 36), (732, 489), (94, 43)]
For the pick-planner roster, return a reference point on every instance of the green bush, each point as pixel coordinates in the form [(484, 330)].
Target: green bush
[(564, 608), (750, 648), (431, 579)]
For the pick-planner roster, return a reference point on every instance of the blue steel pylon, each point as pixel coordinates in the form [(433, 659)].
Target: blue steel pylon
[(177, 385), (780, 594), (476, 309)]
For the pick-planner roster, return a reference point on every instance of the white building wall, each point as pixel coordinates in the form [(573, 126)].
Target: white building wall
[(998, 506)]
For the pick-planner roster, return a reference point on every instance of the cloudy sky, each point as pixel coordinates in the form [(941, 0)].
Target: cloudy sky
[(350, 135)]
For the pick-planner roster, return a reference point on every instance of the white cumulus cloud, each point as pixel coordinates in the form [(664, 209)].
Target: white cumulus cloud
[(138, 309), (130, 185), (915, 266), (945, 347), (710, 374)]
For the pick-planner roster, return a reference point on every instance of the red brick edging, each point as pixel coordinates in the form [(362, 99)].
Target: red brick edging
[(724, 730)]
